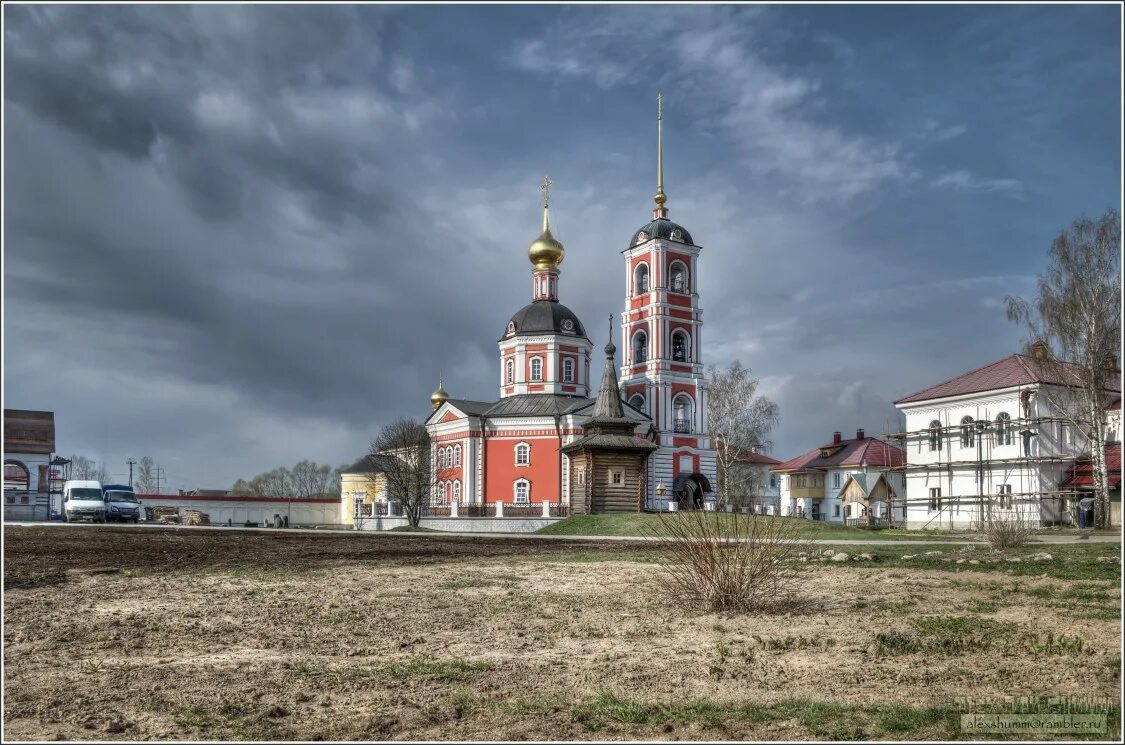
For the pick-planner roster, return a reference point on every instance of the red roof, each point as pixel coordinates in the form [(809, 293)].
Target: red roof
[(757, 458), (1082, 472), (1013, 370), (875, 452)]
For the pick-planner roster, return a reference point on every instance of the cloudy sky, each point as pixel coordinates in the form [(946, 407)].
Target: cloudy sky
[(236, 237)]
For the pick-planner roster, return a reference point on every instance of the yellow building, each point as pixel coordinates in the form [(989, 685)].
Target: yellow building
[(362, 486)]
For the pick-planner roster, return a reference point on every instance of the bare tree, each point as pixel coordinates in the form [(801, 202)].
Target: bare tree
[(401, 453), (85, 469), (741, 422), (145, 480), (1077, 314), (241, 487), (310, 479)]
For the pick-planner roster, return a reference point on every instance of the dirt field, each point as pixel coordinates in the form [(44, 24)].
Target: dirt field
[(154, 634)]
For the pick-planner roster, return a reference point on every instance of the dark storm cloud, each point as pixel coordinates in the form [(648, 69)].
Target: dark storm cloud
[(238, 236)]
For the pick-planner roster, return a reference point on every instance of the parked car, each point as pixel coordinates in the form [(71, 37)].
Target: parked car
[(83, 500), (121, 503)]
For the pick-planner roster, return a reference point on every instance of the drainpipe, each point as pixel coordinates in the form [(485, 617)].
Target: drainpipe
[(483, 465), (558, 434)]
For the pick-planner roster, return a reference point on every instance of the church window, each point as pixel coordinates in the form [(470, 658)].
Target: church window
[(617, 478), (568, 370), (680, 346), (678, 235), (1003, 429), (683, 415), (523, 454), (641, 280), (456, 455), (522, 491), (581, 476), (678, 275), (511, 327), (567, 325), (637, 401), (536, 368), (640, 347), (935, 435), (641, 237), (457, 492), (509, 372), (967, 438)]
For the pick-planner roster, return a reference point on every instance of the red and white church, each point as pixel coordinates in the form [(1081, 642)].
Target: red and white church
[(634, 443)]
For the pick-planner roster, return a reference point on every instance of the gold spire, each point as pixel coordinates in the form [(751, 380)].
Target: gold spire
[(440, 396), (660, 198), (546, 252)]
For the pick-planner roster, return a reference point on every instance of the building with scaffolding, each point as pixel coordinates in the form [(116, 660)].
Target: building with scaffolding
[(989, 444)]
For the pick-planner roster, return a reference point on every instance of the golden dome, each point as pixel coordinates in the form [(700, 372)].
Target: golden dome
[(546, 252), (438, 397)]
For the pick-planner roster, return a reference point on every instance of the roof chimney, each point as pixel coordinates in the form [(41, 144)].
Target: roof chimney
[(859, 434), (835, 438), (1040, 350)]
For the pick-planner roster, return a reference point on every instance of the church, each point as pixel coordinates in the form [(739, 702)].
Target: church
[(554, 443)]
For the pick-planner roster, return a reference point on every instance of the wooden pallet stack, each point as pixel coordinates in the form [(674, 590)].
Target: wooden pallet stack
[(166, 515), (195, 517)]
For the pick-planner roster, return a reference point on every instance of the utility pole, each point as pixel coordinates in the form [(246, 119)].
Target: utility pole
[(159, 477), (131, 462)]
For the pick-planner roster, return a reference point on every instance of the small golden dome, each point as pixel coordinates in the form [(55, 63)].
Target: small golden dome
[(546, 252), (438, 397)]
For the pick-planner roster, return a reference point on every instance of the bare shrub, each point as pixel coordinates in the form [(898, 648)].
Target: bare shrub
[(730, 561), (1008, 531)]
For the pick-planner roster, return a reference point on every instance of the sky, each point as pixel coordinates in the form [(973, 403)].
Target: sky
[(236, 237)]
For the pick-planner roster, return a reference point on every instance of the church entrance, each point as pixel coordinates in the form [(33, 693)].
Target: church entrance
[(690, 491)]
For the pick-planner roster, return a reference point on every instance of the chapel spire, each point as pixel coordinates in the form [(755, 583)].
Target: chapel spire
[(608, 405)]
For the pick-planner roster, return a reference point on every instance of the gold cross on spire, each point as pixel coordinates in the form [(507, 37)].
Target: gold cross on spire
[(546, 189)]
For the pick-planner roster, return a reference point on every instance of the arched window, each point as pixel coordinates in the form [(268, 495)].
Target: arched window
[(640, 347), (509, 372), (441, 457), (456, 455), (680, 346), (640, 280), (448, 457), (439, 493), (678, 277), (457, 492), (536, 368), (637, 402), (568, 370), (935, 435), (682, 408), (523, 454), (521, 491), (1003, 429), (448, 491), (968, 439)]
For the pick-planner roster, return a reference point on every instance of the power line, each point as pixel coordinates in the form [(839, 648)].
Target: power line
[(131, 462)]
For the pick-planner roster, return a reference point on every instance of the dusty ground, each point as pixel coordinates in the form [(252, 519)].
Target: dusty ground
[(181, 635)]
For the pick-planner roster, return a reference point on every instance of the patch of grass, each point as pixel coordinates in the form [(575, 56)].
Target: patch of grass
[(825, 720), (419, 667), (883, 605), (789, 643), (984, 606), (33, 580), (641, 557), (467, 583), (414, 529), (648, 523), (1077, 562)]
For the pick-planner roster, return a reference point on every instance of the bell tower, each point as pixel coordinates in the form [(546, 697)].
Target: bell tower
[(662, 369)]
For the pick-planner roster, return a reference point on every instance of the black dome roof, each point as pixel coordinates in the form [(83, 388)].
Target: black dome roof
[(661, 227), (545, 317)]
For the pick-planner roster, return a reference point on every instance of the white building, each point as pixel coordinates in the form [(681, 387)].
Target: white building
[(764, 486), (988, 443), (812, 485)]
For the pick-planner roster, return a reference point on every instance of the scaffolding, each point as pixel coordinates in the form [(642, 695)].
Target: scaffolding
[(984, 505)]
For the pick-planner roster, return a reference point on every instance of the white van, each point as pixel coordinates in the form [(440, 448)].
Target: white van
[(82, 500)]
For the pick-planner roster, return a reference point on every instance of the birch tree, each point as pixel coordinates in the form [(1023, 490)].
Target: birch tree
[(402, 452), (741, 422), (1077, 314), (145, 480)]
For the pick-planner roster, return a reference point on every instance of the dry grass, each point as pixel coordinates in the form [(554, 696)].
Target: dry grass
[(732, 562), (1008, 531)]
